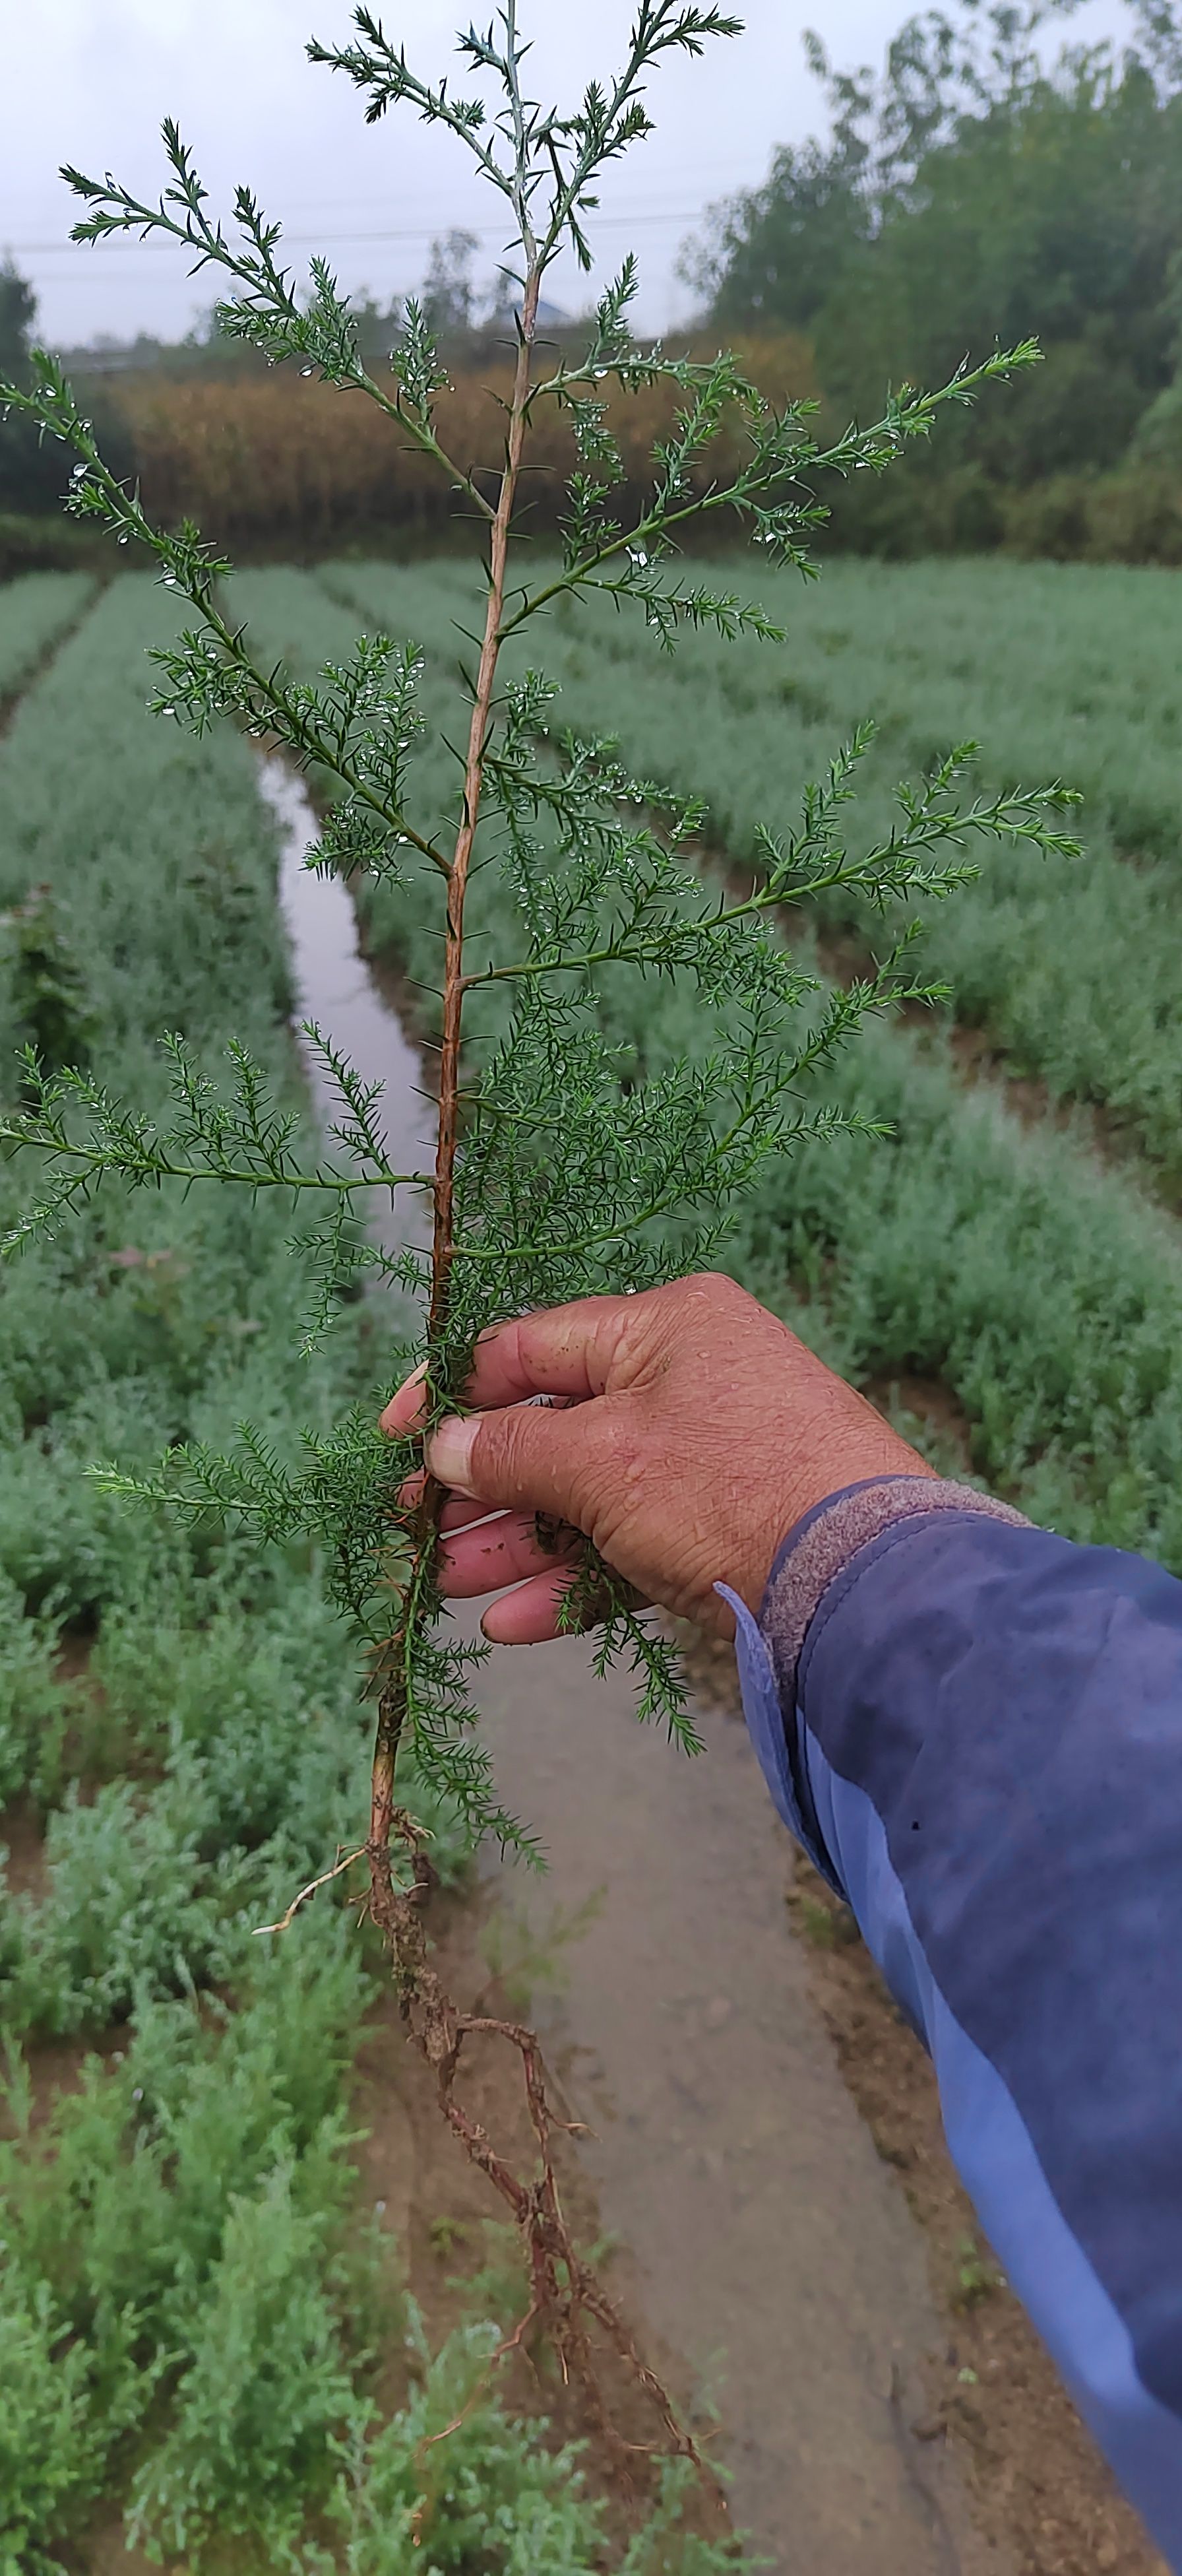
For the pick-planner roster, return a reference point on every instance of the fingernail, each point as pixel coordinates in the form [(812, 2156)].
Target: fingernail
[(449, 1452)]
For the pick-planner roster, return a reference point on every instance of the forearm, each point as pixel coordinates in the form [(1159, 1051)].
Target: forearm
[(976, 1729)]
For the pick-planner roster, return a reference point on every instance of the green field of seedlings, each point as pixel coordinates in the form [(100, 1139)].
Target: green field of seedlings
[(202, 2326), (1037, 1287), (197, 2313), (1055, 669)]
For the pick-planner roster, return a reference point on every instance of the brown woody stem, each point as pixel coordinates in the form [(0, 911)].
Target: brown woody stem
[(563, 2290), (453, 970), (392, 1701)]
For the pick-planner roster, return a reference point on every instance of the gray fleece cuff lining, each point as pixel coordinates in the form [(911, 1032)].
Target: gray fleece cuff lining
[(835, 1534)]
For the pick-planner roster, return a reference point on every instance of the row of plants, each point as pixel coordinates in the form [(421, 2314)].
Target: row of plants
[(1042, 1291), (195, 2312), (1067, 964), (34, 612)]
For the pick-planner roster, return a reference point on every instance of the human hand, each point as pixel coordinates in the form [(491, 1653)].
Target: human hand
[(690, 1430)]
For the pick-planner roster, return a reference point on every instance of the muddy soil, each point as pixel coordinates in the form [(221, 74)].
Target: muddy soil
[(770, 2248), (1035, 2478), (1034, 2474)]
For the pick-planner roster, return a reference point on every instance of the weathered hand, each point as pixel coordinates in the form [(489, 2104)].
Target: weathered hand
[(690, 1430)]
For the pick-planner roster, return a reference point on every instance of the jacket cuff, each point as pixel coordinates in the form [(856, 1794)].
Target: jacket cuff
[(822, 1544)]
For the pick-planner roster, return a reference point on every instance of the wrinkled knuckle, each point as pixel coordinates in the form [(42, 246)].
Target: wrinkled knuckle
[(495, 1461), (705, 1295), (724, 1293)]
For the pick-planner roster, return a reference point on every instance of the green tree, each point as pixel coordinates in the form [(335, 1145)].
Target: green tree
[(18, 308), (966, 189), (32, 475), (777, 254), (30, 478)]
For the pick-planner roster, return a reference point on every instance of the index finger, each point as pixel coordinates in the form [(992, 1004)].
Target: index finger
[(563, 1350)]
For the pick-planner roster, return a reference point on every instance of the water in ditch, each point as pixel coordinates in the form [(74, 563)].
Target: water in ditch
[(767, 2245), (337, 995)]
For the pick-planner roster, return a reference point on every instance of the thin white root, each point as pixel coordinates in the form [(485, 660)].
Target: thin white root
[(324, 1880)]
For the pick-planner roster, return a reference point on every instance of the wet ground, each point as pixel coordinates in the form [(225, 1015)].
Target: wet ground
[(769, 2247)]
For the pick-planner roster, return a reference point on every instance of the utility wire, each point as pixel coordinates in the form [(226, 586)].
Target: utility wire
[(417, 233)]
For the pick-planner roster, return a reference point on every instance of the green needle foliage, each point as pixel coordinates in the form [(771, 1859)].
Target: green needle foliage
[(553, 1177)]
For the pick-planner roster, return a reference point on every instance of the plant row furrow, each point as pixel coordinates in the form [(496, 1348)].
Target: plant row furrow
[(34, 613)]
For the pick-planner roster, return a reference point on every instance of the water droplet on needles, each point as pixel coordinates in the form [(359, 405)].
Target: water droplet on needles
[(78, 473), (307, 371), (122, 538)]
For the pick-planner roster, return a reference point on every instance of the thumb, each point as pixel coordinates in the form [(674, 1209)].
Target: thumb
[(527, 1457)]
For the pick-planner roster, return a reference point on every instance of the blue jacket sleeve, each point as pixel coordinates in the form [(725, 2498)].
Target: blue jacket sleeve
[(975, 1728)]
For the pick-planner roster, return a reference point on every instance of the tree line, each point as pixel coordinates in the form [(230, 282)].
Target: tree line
[(993, 179)]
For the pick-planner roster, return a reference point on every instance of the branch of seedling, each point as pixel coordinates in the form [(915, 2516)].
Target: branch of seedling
[(564, 2292)]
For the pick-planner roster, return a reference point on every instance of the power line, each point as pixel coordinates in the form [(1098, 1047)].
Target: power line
[(705, 173), (416, 233)]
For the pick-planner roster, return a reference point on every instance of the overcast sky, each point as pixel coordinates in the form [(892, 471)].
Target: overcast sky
[(234, 73)]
